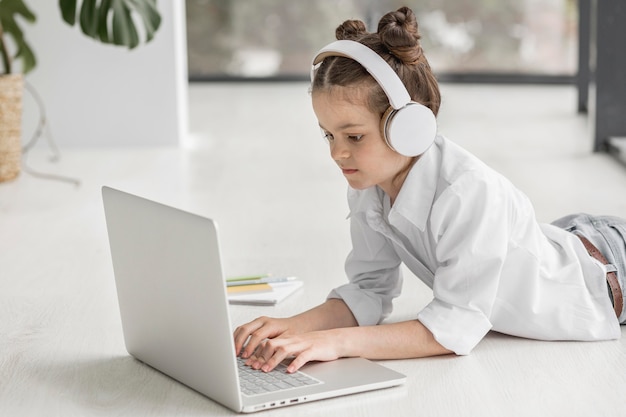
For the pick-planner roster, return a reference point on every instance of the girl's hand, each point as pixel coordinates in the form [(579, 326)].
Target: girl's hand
[(319, 346), (256, 332), (270, 340)]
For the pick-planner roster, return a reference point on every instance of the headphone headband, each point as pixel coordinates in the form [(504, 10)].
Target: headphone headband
[(378, 68)]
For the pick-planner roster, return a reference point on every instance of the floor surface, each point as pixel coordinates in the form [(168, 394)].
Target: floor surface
[(256, 163)]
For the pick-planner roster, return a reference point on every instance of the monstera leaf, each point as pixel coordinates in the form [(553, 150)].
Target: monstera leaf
[(9, 10), (110, 21)]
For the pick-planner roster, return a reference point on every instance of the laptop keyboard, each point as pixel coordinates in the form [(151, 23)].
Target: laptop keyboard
[(255, 382)]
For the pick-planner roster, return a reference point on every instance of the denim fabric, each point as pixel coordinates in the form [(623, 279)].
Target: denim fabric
[(608, 234)]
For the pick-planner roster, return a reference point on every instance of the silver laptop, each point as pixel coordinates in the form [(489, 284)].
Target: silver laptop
[(175, 314)]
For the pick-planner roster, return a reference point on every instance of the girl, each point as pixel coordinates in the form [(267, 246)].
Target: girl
[(459, 226)]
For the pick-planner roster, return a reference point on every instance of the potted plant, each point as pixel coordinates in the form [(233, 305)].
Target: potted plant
[(107, 21)]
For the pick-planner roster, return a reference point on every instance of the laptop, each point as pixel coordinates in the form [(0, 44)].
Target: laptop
[(175, 313)]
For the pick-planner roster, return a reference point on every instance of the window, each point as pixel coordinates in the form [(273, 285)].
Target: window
[(275, 39)]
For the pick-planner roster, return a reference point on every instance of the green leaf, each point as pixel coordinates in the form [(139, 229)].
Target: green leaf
[(111, 21), (103, 15), (89, 18), (27, 56), (68, 11), (8, 8), (150, 15), (124, 32), (9, 26)]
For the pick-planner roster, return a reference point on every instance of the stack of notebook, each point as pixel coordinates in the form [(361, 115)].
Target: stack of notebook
[(261, 290)]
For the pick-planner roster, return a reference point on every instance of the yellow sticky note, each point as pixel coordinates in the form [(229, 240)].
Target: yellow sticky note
[(249, 289)]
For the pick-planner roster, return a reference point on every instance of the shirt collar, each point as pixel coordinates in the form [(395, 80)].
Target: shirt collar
[(415, 198)]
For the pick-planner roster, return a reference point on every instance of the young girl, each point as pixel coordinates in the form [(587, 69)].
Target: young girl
[(419, 199)]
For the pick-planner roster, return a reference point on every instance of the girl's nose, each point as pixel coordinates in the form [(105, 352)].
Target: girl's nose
[(339, 150)]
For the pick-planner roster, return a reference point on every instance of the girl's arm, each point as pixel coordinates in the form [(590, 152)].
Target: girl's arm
[(409, 339), (403, 340)]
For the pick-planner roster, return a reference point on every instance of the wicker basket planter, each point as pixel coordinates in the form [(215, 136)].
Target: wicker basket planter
[(11, 89)]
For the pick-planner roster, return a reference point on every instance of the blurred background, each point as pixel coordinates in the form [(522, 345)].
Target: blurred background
[(570, 43), (275, 39)]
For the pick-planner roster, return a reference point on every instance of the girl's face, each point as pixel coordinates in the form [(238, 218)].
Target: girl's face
[(356, 143)]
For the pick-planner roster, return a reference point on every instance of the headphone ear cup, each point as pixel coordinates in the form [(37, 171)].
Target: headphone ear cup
[(384, 120), (410, 130)]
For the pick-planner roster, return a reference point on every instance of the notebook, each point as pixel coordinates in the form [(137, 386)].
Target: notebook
[(278, 292), (175, 313)]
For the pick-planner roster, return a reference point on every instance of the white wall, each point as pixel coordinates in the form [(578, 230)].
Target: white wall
[(101, 95)]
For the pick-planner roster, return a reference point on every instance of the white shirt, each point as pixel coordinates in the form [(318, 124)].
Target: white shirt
[(472, 237)]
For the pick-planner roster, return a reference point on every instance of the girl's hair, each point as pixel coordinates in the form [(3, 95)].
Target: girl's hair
[(397, 42)]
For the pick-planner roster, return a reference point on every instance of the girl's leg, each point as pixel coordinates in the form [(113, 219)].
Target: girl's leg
[(608, 234)]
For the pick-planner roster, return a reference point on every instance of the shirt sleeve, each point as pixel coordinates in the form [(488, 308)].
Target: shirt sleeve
[(470, 222), (373, 269)]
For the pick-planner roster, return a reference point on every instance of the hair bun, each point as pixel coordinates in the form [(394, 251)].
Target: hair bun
[(351, 30), (398, 32)]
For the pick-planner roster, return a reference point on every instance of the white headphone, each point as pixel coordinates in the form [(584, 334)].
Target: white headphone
[(409, 128)]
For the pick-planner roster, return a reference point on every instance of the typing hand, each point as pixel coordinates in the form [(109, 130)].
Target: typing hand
[(250, 335), (306, 347)]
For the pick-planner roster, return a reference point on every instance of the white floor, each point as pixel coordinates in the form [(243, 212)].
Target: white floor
[(255, 161), (532, 134)]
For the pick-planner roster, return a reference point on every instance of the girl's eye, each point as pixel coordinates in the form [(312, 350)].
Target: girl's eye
[(328, 136)]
